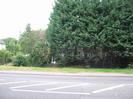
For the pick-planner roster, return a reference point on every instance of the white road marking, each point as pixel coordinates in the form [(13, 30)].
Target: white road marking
[(72, 93), (109, 88), (54, 92), (12, 82), (51, 89), (32, 85), (1, 79)]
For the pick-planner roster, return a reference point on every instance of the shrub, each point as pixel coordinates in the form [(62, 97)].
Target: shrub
[(20, 60), (40, 55), (5, 57)]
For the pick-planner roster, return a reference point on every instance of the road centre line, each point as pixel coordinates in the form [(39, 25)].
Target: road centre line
[(51, 89), (52, 92), (109, 88), (12, 82), (33, 85)]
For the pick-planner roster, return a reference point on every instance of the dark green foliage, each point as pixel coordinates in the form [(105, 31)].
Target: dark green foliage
[(33, 44), (130, 66), (28, 39), (40, 55), (12, 45), (98, 33), (20, 60), (5, 57)]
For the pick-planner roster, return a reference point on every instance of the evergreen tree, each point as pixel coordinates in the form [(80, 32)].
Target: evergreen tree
[(95, 32)]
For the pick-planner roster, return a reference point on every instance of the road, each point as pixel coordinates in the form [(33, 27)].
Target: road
[(23, 86)]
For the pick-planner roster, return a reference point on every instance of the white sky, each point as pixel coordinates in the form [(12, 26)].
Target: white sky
[(15, 14)]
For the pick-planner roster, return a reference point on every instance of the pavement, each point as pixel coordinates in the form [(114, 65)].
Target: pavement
[(40, 85), (91, 74)]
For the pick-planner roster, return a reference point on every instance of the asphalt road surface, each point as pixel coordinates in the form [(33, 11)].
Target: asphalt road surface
[(22, 86)]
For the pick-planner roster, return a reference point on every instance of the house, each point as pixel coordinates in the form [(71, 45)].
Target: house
[(2, 45)]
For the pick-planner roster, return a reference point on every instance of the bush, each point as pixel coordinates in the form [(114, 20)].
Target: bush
[(40, 54), (20, 60), (5, 57)]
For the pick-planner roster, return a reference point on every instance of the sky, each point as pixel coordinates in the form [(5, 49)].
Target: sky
[(16, 14)]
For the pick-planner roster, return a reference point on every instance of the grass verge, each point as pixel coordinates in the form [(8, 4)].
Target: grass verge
[(66, 69)]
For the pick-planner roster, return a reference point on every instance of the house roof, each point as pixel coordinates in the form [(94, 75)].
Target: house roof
[(40, 33)]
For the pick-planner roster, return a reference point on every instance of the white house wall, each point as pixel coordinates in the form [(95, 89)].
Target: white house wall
[(2, 46)]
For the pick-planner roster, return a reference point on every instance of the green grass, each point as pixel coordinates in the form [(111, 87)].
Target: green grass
[(66, 69)]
